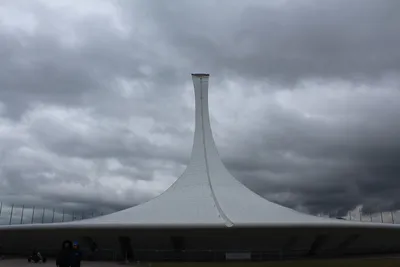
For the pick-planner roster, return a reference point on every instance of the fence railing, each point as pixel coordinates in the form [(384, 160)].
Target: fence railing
[(29, 214), (379, 217)]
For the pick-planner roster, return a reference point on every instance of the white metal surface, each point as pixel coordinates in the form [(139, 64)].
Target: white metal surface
[(206, 195)]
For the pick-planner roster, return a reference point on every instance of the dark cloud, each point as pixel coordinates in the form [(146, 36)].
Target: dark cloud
[(65, 66), (287, 41), (340, 158), (96, 102)]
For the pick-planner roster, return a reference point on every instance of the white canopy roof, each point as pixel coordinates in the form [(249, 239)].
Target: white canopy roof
[(206, 194)]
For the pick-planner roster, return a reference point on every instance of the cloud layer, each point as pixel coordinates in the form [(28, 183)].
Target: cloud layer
[(96, 102)]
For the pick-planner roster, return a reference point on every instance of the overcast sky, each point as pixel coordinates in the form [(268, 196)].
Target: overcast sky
[(97, 104)]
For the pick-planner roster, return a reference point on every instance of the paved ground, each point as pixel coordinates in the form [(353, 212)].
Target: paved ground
[(25, 263), (314, 263)]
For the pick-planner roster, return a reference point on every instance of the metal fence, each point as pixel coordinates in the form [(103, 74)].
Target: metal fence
[(379, 217), (30, 214)]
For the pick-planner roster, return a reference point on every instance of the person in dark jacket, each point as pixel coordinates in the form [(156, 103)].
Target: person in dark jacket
[(36, 256), (76, 255), (65, 255), (1, 250)]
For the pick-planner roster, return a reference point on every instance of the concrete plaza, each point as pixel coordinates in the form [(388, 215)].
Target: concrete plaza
[(51, 262), (370, 262)]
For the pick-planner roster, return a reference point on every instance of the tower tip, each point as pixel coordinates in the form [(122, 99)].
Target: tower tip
[(200, 75)]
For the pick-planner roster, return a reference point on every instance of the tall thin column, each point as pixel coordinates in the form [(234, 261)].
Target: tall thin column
[(44, 210), (33, 214), (54, 210), (11, 214), (22, 214)]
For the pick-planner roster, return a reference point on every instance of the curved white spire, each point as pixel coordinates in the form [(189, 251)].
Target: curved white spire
[(206, 194)]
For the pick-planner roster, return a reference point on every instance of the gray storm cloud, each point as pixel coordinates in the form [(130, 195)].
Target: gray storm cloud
[(97, 108)]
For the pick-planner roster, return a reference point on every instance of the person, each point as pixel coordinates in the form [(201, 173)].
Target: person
[(1, 250), (76, 255), (36, 256), (65, 254), (41, 257), (93, 250)]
